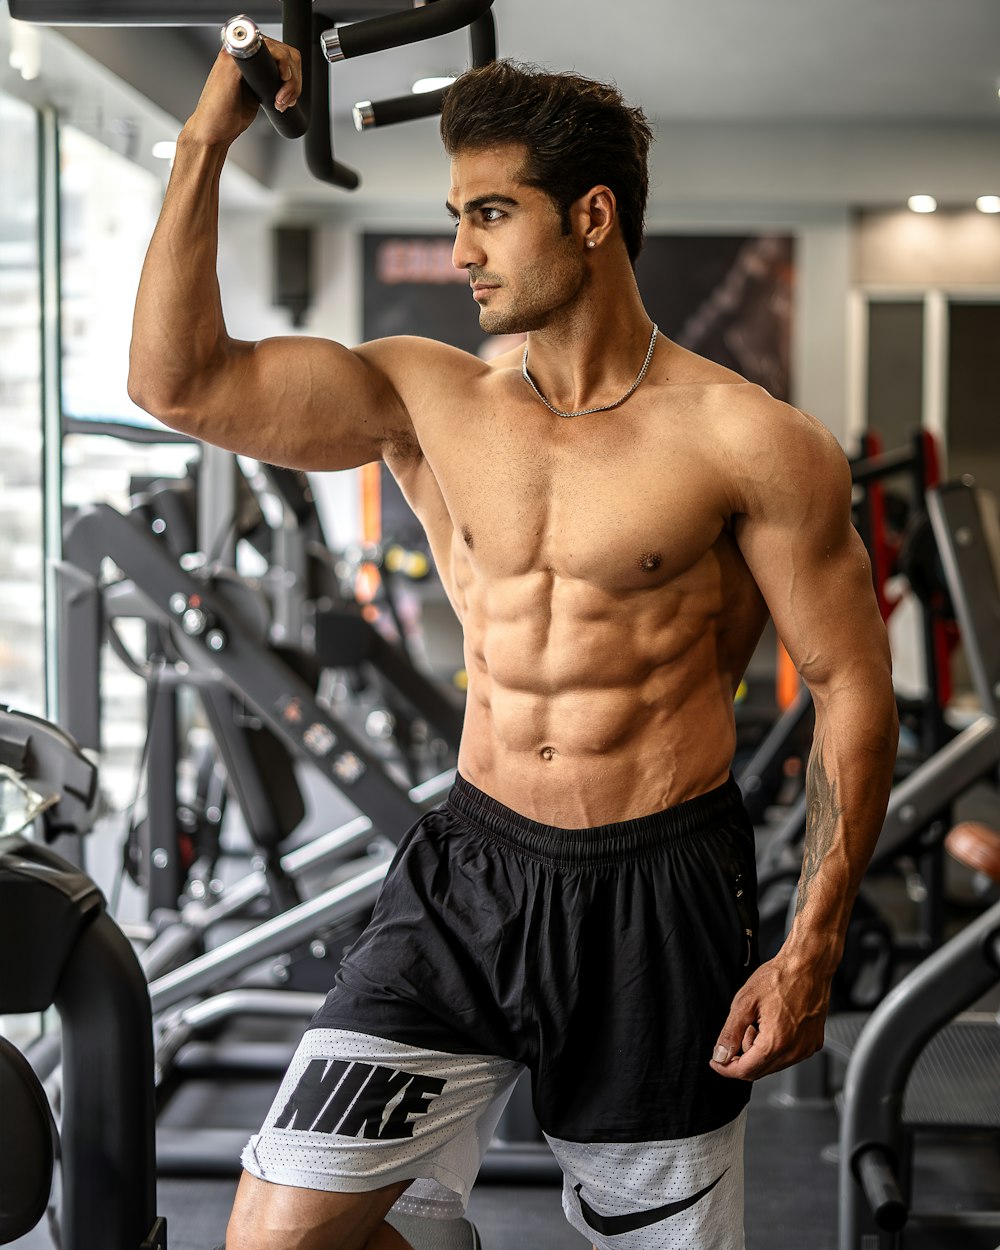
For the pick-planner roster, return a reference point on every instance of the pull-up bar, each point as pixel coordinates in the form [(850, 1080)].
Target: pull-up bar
[(320, 42)]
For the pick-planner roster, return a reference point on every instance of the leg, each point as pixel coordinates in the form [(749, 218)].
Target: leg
[(282, 1217)]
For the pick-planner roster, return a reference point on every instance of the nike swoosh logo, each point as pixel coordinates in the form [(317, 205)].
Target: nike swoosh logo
[(611, 1225)]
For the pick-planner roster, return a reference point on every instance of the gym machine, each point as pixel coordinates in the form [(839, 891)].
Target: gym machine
[(62, 949), (320, 42), (922, 1061)]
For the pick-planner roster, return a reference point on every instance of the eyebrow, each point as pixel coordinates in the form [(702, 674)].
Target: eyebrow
[(481, 201)]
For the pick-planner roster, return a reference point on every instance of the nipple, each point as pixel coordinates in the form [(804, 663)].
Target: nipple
[(650, 562)]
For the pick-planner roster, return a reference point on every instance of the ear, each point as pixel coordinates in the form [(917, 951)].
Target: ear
[(594, 216)]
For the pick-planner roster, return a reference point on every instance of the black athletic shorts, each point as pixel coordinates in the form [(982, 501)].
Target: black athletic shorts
[(603, 961)]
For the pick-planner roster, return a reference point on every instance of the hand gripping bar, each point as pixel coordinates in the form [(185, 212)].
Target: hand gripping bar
[(310, 116)]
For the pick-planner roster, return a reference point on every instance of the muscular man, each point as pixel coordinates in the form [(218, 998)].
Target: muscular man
[(612, 518)]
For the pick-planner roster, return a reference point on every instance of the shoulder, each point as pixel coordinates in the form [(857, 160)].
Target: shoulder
[(423, 371), (775, 455)]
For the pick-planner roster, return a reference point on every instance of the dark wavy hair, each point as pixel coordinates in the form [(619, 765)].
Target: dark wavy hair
[(578, 133)]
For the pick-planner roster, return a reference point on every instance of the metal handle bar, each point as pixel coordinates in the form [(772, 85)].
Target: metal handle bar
[(376, 34), (170, 12), (368, 114), (310, 116), (319, 137), (876, 1173), (245, 44)]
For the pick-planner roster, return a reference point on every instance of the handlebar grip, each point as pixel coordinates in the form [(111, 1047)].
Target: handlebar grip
[(376, 34), (402, 108), (876, 1175), (243, 41), (369, 114)]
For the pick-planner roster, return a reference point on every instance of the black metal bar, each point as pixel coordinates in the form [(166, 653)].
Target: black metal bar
[(876, 1175), (883, 465), (397, 29), (170, 12), (320, 159), (946, 983), (369, 114), (111, 427), (161, 868), (213, 638), (245, 44)]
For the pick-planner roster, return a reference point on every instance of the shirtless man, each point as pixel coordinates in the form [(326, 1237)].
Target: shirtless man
[(612, 518)]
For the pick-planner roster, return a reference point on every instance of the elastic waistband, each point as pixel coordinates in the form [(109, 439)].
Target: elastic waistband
[(617, 842)]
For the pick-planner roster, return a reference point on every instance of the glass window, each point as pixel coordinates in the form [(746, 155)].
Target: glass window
[(109, 207), (22, 645)]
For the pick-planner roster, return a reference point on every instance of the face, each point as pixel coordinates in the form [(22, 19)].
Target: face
[(509, 237)]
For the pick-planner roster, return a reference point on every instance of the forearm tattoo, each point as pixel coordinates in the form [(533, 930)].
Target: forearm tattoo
[(823, 812)]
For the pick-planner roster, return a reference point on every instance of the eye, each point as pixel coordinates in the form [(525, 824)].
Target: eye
[(493, 214)]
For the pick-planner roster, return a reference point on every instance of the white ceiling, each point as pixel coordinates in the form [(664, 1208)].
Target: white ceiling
[(775, 60), (860, 70)]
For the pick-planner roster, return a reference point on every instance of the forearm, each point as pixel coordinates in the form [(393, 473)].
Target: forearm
[(848, 779), (178, 328)]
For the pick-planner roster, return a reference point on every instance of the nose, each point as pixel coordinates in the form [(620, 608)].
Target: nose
[(467, 254)]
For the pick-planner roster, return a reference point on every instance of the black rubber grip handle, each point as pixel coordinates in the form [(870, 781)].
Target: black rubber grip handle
[(877, 1177), (376, 34), (483, 40), (260, 73)]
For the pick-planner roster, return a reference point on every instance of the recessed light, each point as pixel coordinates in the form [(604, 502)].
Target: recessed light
[(165, 150), (922, 204), (988, 203), (423, 85)]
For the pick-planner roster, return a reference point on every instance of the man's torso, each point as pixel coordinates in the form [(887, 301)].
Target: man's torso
[(607, 611)]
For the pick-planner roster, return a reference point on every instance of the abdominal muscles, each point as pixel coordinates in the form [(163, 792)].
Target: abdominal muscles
[(590, 705)]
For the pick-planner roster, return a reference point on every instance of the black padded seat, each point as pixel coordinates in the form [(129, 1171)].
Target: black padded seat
[(26, 1145)]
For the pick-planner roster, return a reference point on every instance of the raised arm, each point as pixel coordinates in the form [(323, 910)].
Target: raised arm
[(297, 401), (794, 529)]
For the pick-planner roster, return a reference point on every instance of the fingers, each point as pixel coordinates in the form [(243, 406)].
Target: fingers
[(289, 64)]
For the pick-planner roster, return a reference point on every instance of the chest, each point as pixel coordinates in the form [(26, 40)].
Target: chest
[(620, 501)]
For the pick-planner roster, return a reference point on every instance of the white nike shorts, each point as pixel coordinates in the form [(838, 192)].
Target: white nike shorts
[(356, 1113)]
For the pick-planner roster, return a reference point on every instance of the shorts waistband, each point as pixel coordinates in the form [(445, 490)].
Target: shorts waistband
[(622, 840)]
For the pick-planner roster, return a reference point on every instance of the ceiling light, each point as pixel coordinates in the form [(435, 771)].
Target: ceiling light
[(423, 85), (988, 203), (922, 204), (165, 149)]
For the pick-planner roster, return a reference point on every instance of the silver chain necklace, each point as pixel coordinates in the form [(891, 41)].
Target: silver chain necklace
[(585, 412)]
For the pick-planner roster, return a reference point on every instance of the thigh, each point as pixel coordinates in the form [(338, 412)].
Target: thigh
[(285, 1217)]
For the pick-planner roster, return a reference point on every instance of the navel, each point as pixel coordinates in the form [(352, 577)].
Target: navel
[(548, 753), (650, 562)]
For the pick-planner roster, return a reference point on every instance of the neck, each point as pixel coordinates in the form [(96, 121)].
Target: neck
[(590, 358)]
